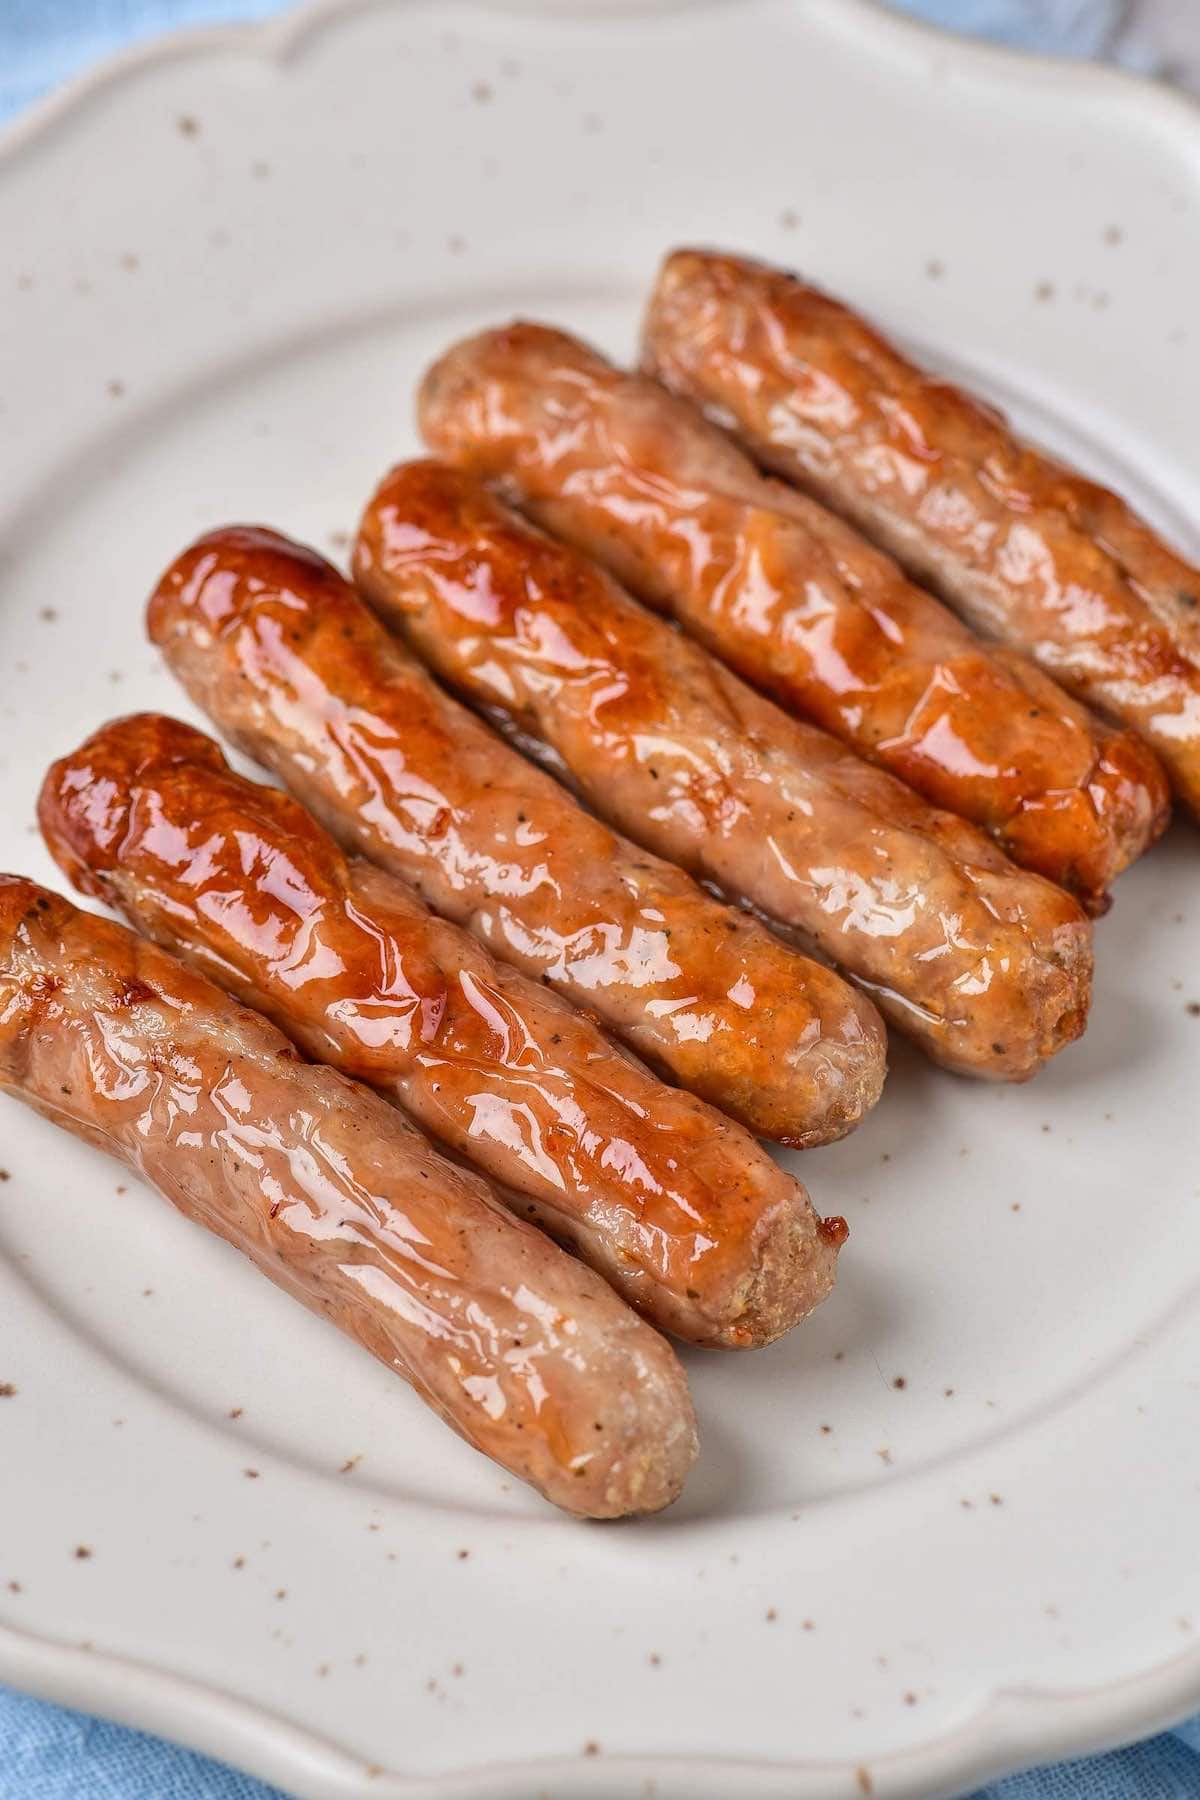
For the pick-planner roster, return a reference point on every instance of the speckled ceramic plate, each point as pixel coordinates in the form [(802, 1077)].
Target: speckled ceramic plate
[(949, 1526)]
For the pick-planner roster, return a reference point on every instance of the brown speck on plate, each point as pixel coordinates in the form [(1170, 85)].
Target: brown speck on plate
[(250, 1474), (885, 1456), (239, 1562), (1193, 1009), (115, 389), (48, 614), (482, 92), (350, 1463), (235, 1412), (591, 1748), (4, 1175), (456, 243), (825, 1430), (1044, 291), (458, 1670), (863, 1776), (82, 1552), (1113, 234), (14, 1587), (900, 1382), (322, 1669), (935, 268), (260, 170), (463, 1555), (281, 1593), (654, 1659), (996, 1499), (187, 126), (7, 1390), (910, 1699), (771, 1615), (789, 218)]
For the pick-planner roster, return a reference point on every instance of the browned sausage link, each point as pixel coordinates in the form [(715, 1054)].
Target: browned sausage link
[(1025, 549), (282, 654), (988, 967), (796, 601), (681, 1209), (330, 1192)]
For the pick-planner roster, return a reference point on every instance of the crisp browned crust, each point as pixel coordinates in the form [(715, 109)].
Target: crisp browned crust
[(659, 1192), (287, 660), (1027, 550), (987, 966)]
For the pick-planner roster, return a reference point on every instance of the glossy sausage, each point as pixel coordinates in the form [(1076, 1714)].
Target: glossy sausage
[(794, 599), (284, 657), (682, 1210), (985, 965), (326, 1188), (1028, 551)]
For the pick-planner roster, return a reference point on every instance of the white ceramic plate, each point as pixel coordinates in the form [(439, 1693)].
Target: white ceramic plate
[(950, 1525)]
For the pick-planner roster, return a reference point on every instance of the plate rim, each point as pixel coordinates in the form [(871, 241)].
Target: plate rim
[(1011, 1727)]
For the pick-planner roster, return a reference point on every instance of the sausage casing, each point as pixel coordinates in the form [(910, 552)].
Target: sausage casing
[(282, 654), (1028, 551), (795, 600), (984, 964), (328, 1191), (682, 1210)]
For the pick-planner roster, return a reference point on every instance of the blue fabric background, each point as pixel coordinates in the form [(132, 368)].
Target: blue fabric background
[(47, 1753)]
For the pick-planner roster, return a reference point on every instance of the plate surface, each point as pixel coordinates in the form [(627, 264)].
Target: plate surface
[(947, 1527)]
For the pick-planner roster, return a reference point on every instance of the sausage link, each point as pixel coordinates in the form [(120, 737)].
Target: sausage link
[(796, 601), (1026, 550), (682, 1210), (986, 966), (328, 1190), (287, 661)]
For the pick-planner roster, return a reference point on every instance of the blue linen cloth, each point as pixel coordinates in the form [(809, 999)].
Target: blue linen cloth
[(48, 1753)]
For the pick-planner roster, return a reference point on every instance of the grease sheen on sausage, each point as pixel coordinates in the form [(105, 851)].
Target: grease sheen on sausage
[(987, 966), (285, 658), (682, 1210), (1024, 548), (327, 1189), (795, 600)]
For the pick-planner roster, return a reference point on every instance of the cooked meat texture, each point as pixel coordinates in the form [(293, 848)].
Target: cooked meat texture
[(986, 966), (288, 662), (681, 1209), (333, 1195), (1028, 551), (796, 601)]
